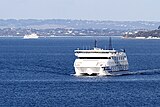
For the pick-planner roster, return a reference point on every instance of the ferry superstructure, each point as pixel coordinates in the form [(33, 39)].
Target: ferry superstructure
[(100, 62), (31, 36)]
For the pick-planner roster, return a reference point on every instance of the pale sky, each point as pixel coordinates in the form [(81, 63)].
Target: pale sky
[(116, 10)]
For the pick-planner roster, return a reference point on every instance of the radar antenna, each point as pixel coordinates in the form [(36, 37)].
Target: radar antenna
[(95, 44)]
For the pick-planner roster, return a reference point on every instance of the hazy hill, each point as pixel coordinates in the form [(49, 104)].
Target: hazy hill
[(151, 33), (77, 24)]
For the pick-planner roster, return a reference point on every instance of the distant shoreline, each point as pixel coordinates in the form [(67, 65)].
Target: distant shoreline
[(59, 36)]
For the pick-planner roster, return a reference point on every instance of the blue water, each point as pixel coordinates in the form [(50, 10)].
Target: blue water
[(37, 73)]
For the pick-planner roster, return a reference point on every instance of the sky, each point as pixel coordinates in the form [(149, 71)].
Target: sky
[(115, 10)]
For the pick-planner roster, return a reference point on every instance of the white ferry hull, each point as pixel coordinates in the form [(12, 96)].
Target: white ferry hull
[(99, 67), (30, 37), (99, 72)]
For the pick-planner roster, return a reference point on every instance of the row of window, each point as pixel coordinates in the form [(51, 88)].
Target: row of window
[(96, 52), (114, 58), (94, 57), (117, 68), (119, 58)]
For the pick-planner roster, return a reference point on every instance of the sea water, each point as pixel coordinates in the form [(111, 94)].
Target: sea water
[(36, 73)]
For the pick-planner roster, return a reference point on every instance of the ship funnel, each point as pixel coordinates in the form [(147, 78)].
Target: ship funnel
[(110, 43)]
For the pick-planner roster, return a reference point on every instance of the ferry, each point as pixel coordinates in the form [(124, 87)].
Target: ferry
[(100, 62), (31, 36)]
